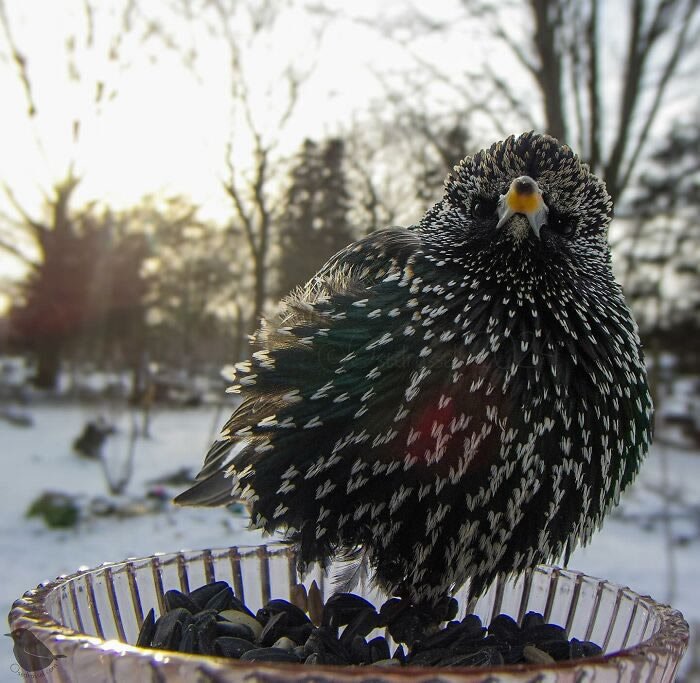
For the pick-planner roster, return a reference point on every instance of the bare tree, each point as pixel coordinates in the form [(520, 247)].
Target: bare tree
[(262, 97), (398, 158), (99, 47), (603, 103), (566, 61), (97, 52)]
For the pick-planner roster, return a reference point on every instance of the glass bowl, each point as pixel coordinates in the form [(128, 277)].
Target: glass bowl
[(88, 618)]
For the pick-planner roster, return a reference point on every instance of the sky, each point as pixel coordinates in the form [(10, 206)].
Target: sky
[(165, 131)]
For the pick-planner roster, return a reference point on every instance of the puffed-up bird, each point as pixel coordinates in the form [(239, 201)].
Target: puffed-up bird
[(451, 401)]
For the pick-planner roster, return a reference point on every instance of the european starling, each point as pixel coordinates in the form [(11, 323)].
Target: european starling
[(451, 401)]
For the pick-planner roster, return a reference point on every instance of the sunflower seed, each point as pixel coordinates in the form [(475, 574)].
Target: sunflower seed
[(236, 617), (148, 628), (174, 599), (269, 654), (232, 647)]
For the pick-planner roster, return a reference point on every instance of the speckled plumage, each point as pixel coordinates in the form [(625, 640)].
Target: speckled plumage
[(452, 400)]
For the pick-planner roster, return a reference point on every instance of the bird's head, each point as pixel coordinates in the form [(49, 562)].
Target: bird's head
[(527, 194)]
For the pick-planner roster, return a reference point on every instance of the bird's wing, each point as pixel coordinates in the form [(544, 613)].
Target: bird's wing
[(326, 337), (350, 383)]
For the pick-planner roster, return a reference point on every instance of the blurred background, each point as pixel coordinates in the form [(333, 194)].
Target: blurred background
[(169, 170)]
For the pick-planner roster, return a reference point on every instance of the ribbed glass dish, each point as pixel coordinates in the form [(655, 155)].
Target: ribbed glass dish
[(92, 615)]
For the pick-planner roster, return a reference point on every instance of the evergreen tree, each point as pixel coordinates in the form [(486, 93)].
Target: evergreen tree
[(85, 289), (661, 262), (314, 225)]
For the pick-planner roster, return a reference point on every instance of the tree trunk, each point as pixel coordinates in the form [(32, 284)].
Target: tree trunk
[(549, 73), (48, 366), (259, 294)]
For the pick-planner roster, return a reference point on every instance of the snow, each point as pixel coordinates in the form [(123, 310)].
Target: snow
[(40, 458)]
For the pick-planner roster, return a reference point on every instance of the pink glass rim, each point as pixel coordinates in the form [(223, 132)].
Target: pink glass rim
[(668, 641)]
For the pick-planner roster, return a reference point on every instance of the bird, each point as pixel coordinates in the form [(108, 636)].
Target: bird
[(31, 654), (452, 401)]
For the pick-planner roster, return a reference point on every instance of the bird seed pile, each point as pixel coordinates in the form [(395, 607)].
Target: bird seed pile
[(212, 621)]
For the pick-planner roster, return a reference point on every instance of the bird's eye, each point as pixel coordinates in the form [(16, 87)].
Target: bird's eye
[(483, 207), (561, 224)]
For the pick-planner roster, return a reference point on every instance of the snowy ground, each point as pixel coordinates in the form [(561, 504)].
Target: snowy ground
[(39, 458)]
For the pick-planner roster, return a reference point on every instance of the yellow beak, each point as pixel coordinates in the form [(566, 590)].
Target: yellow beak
[(524, 196)]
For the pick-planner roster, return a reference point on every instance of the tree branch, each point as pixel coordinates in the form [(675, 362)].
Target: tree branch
[(17, 253), (595, 126), (668, 72), (19, 60), (517, 50), (549, 74), (233, 192), (39, 229)]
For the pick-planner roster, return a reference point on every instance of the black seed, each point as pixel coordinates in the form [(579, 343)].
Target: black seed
[(148, 628), (429, 657), (330, 658), (474, 623), (505, 628), (295, 616), (454, 644), (359, 651), (576, 650), (538, 634), (485, 657), (452, 609), (379, 649), (268, 654), (324, 642), (232, 647), (496, 659), (203, 614), (225, 629), (174, 599), (408, 626), (532, 619), (205, 626), (221, 600), (188, 642), (558, 649), (391, 609), (591, 649), (299, 634), (512, 653), (445, 610), (201, 596), (342, 608), (168, 628), (361, 625), (275, 628), (456, 634)]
